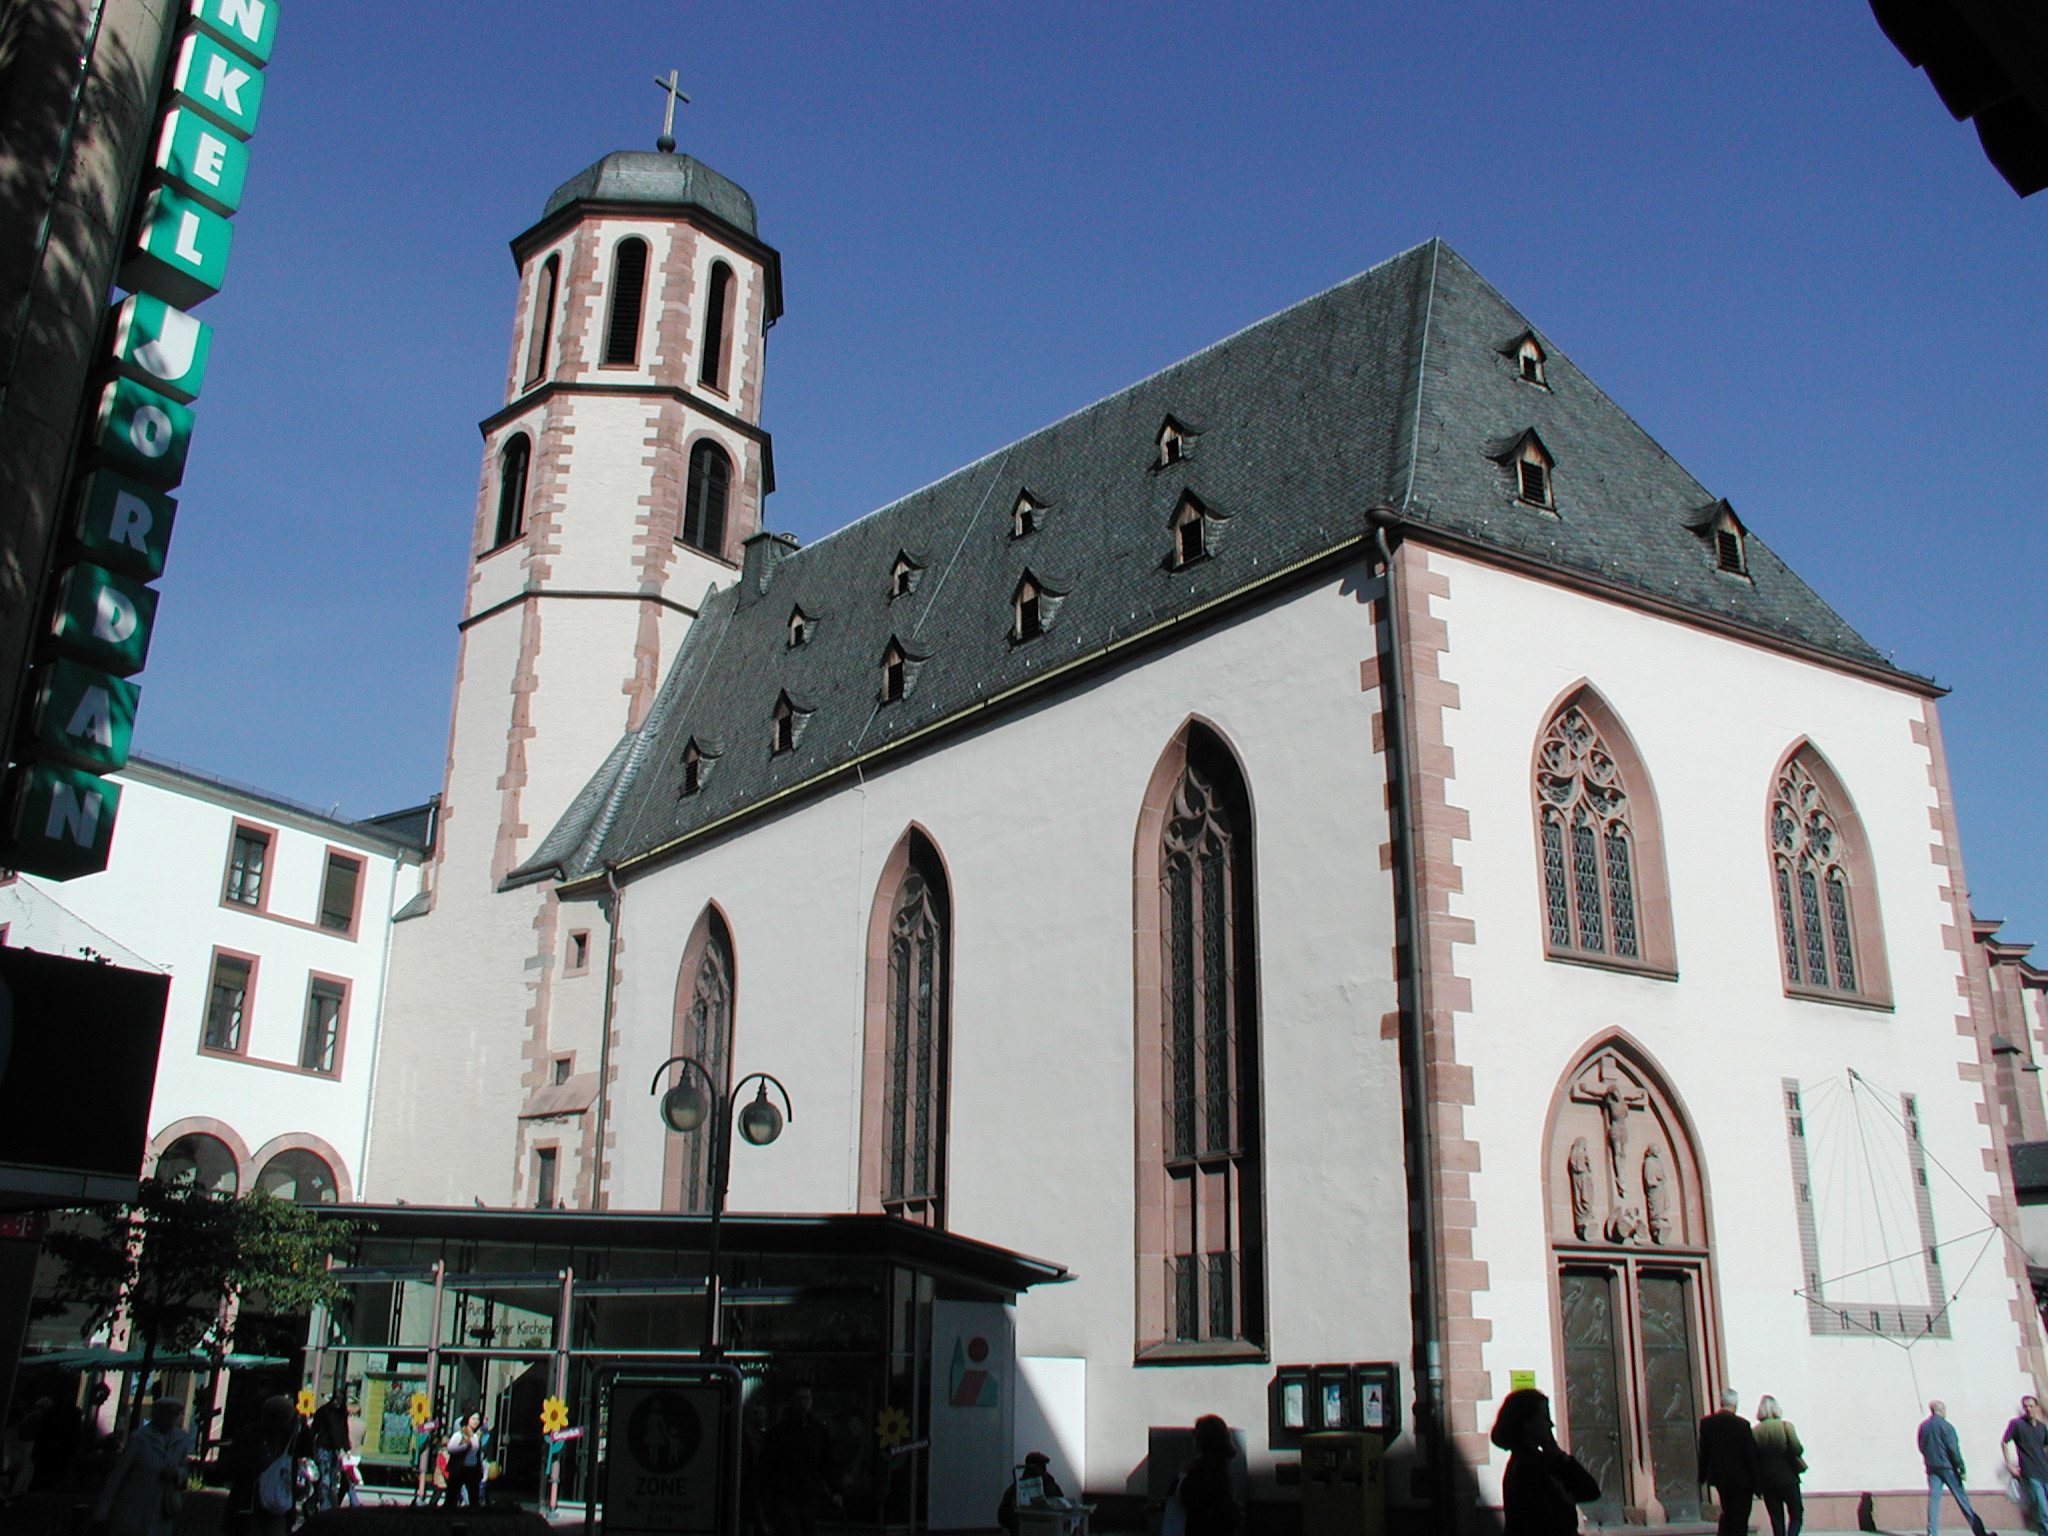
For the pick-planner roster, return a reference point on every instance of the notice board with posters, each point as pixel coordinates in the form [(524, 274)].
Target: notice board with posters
[(78, 1044), (671, 1451)]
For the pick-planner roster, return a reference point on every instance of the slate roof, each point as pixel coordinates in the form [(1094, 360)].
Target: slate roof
[(638, 176), (1301, 423)]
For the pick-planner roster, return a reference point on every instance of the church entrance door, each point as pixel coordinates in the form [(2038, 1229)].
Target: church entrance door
[(1635, 1324)]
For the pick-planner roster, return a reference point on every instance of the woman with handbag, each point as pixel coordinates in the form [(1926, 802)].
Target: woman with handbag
[(1780, 1458), (146, 1489)]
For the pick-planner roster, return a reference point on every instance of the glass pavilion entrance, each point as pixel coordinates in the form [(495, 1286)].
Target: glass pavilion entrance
[(494, 1311)]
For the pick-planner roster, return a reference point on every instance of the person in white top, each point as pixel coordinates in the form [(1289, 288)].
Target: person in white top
[(145, 1489)]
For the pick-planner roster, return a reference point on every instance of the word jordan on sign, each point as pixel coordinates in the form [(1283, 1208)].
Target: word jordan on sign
[(100, 604)]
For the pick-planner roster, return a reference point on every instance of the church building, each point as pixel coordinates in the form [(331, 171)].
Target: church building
[(1344, 846)]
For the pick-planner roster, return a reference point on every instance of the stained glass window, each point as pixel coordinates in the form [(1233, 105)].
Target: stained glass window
[(1815, 888), (1589, 878), (914, 1069), (705, 1032)]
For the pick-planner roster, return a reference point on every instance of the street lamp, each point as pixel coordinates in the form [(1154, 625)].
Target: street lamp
[(684, 1109)]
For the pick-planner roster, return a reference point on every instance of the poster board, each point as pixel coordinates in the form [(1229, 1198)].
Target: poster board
[(671, 1452), (387, 1416)]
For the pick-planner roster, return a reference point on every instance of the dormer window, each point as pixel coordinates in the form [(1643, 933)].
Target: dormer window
[(1529, 467), (693, 769), (800, 624), (1026, 517), (903, 576), (1190, 536), (1728, 552), (1529, 361), (1722, 531), (1028, 605), (1175, 443), (894, 673), (782, 727)]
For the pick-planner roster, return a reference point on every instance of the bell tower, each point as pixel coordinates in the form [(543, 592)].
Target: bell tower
[(620, 477)]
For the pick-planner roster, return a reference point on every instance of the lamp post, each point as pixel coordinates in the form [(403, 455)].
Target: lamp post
[(684, 1109)]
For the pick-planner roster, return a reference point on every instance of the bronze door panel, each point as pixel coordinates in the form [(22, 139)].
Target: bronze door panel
[(1671, 1407), (1592, 1384)]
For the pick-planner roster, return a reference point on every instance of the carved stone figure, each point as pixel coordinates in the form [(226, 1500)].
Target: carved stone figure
[(1580, 1166), (1657, 1196), (1614, 1096)]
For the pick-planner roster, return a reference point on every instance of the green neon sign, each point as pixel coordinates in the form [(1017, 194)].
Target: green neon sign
[(218, 84), (181, 249), (163, 347), (204, 159), (103, 619), (143, 432), (249, 27)]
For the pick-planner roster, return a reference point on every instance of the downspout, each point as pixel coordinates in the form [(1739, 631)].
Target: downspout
[(611, 904), (1420, 1139)]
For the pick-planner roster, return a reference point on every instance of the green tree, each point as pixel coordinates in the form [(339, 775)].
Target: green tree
[(173, 1262)]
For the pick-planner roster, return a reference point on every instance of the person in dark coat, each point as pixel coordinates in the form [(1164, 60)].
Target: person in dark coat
[(1038, 1465), (2026, 1458), (1942, 1454), (1728, 1464), (1544, 1485), (1206, 1497), (797, 1471), (1780, 1459)]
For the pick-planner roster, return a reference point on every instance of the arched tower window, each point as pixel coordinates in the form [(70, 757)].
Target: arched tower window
[(909, 996), (542, 330), (713, 362), (1829, 938), (703, 1028), (704, 498), (1200, 1247), (512, 467), (1599, 843), (629, 289)]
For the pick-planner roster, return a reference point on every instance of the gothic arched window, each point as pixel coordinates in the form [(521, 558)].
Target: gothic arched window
[(513, 461), (903, 1141), (1829, 940), (704, 498), (1200, 1248), (542, 329), (702, 1029), (1599, 843), (711, 365), (629, 290)]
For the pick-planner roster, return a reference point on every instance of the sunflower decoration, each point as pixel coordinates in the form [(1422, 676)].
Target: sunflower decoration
[(419, 1410), (305, 1403), (554, 1415), (892, 1428)]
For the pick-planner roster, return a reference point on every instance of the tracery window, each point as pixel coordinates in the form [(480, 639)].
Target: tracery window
[(1599, 842), (542, 330), (1198, 1196), (717, 300), (703, 1029), (513, 463), (903, 1138), (704, 498), (1589, 881), (1814, 884)]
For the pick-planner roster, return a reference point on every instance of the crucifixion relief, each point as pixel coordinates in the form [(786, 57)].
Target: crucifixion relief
[(1614, 1096)]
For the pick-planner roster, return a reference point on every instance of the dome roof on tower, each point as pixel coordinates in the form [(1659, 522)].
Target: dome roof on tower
[(640, 176)]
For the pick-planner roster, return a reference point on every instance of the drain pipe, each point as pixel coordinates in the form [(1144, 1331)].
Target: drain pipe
[(1425, 1260), (611, 903)]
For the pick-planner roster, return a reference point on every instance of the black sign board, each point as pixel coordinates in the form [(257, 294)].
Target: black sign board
[(1314, 1399), (671, 1451), (78, 1046)]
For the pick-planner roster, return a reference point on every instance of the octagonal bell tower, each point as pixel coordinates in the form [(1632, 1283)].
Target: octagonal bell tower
[(619, 480)]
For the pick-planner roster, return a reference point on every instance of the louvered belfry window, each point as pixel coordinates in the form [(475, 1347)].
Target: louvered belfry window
[(914, 1068), (1809, 864), (705, 494), (1589, 853), (629, 290), (706, 1033), (1533, 484), (1206, 1145)]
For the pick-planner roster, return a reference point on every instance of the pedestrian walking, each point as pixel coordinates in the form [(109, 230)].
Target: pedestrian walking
[(1780, 1459), (798, 1468), (2026, 1458), (146, 1489), (330, 1445), (1728, 1463), (1942, 1454), (466, 1463), (1543, 1485)]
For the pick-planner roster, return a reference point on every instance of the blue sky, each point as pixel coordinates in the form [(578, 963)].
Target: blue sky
[(1752, 224)]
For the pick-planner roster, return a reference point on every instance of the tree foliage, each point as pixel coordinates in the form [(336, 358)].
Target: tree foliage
[(173, 1261)]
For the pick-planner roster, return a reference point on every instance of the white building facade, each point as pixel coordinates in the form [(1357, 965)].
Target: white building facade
[(1344, 845), (273, 923)]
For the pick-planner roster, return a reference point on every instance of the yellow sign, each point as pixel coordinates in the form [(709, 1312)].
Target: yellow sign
[(305, 1402), (554, 1415), (1521, 1381), (892, 1428)]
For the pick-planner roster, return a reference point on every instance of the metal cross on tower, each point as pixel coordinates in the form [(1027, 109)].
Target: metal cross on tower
[(667, 142)]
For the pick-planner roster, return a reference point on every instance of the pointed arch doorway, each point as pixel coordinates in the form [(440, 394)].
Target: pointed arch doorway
[(1635, 1320)]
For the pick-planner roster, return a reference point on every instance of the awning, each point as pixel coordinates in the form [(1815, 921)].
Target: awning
[(99, 1357)]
